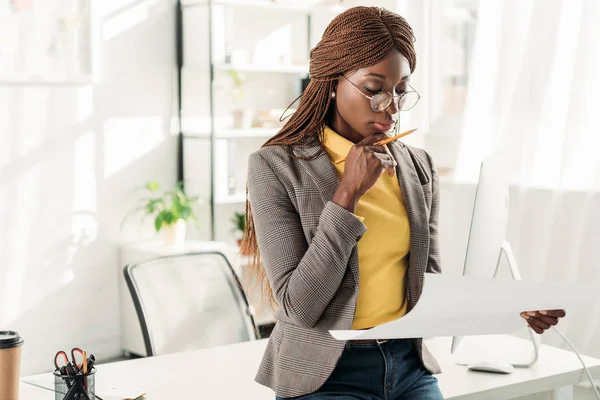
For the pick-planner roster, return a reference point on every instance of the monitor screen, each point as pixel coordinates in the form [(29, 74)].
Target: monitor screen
[(488, 222)]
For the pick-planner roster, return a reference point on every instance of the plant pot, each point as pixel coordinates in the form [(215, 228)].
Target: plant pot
[(242, 118), (174, 234)]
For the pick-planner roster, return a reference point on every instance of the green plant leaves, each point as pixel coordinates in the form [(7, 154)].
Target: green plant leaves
[(153, 204), (152, 186), (239, 221), (158, 223), (165, 217), (167, 207)]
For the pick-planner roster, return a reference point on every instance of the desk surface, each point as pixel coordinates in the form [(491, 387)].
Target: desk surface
[(227, 372)]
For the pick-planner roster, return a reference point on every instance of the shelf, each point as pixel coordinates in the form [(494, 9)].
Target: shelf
[(232, 145), (193, 3), (285, 5), (236, 133), (232, 199), (44, 82), (247, 133), (284, 69), (302, 5)]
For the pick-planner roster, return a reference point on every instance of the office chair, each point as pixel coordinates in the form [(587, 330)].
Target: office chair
[(189, 301)]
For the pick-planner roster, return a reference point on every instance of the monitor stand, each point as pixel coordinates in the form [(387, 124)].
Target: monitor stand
[(480, 358)]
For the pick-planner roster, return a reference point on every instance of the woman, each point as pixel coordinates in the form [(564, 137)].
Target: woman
[(308, 214)]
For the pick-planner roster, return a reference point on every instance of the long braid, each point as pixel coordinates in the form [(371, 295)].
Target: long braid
[(355, 39)]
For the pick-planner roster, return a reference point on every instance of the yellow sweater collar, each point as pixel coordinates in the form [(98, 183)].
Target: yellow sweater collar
[(336, 145)]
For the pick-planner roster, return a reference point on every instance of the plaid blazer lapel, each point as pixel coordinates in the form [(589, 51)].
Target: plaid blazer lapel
[(323, 173), (418, 216), (321, 170)]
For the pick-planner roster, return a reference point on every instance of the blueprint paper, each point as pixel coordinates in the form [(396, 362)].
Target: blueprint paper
[(461, 305)]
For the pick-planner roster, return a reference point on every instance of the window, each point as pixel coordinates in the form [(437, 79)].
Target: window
[(458, 35), (449, 34)]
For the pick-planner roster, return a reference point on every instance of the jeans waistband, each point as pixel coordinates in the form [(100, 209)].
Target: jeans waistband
[(368, 342)]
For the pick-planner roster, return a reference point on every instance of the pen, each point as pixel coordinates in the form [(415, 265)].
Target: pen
[(91, 362), (385, 141)]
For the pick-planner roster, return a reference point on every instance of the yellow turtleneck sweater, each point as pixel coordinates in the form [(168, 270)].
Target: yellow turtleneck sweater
[(383, 249)]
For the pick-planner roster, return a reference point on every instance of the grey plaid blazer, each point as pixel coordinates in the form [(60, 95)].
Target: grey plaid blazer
[(308, 247)]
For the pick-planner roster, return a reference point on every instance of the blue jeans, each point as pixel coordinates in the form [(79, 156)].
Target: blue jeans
[(386, 371)]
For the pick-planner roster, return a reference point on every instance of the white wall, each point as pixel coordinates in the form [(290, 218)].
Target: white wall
[(74, 156)]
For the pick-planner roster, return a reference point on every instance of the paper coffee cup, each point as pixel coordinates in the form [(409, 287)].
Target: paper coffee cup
[(10, 364)]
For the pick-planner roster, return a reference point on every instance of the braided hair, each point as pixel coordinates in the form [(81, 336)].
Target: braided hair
[(357, 38)]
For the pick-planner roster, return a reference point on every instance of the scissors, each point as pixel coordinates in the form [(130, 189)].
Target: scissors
[(72, 370), (72, 367)]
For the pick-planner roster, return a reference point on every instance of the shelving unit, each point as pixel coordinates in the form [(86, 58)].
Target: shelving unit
[(232, 199), (292, 69), (234, 133), (45, 82), (230, 144), (284, 4), (301, 5)]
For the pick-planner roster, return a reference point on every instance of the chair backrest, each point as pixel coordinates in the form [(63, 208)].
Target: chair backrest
[(189, 301)]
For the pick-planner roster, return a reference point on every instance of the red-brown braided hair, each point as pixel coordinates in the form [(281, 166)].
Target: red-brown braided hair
[(357, 38)]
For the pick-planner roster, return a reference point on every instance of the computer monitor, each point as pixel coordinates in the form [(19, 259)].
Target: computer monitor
[(488, 222)]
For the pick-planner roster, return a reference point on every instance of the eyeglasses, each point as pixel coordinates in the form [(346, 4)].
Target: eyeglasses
[(383, 99)]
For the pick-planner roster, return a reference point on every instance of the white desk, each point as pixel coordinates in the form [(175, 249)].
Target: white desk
[(228, 373)]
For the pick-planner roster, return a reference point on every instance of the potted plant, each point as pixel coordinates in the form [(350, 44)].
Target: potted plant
[(171, 211), (239, 225)]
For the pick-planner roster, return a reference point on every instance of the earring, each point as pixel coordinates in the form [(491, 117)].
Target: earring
[(333, 95)]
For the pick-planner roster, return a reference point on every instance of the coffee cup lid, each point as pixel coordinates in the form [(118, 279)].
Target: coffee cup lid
[(10, 339)]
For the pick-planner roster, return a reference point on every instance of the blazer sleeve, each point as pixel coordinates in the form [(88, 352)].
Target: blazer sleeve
[(433, 264), (304, 277)]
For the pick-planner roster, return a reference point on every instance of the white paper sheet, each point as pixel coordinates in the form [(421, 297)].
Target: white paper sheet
[(460, 305), (47, 382)]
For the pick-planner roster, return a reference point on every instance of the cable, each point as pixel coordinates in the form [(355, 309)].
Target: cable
[(580, 359)]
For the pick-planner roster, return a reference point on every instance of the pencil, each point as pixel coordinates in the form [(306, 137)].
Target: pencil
[(140, 397), (85, 371), (84, 363), (385, 141)]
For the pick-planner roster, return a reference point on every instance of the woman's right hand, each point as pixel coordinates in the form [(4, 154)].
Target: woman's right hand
[(364, 165)]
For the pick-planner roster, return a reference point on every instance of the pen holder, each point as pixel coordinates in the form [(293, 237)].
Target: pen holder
[(69, 387)]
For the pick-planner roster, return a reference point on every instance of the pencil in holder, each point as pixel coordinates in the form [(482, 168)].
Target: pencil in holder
[(71, 387)]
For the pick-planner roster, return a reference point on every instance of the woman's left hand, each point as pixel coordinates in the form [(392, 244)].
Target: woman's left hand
[(539, 321)]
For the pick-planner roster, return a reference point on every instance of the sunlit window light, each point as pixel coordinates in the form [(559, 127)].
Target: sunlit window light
[(553, 119), (127, 139), (20, 224), (122, 22)]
